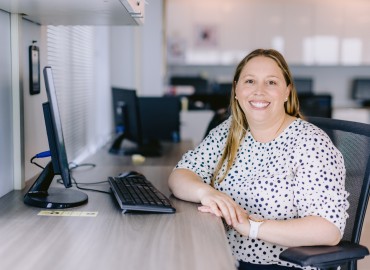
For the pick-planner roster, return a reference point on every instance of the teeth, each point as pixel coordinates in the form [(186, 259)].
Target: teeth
[(260, 104)]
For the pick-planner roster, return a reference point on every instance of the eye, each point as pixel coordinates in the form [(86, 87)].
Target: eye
[(271, 82), (249, 81)]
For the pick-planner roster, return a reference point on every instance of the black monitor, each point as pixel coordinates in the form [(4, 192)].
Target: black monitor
[(303, 85), (160, 118), (361, 91), (40, 194), (316, 105), (129, 135), (200, 84), (210, 101)]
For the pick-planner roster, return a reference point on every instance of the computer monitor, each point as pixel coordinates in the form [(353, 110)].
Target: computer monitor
[(316, 105), (200, 84), (160, 118), (303, 85), (361, 91), (127, 120), (40, 194)]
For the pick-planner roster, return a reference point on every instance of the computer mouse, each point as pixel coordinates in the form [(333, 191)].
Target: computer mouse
[(129, 173)]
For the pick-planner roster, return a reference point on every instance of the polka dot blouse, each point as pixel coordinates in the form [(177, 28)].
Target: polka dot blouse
[(298, 174)]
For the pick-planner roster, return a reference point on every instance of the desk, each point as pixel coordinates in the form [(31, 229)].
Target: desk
[(187, 240)]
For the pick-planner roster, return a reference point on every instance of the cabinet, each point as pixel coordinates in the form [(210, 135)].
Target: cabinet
[(361, 115), (193, 125)]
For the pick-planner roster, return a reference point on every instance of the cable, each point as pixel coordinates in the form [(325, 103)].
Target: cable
[(34, 163), (60, 181), (73, 165), (40, 155)]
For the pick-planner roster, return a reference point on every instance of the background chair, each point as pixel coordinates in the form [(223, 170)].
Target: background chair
[(353, 140)]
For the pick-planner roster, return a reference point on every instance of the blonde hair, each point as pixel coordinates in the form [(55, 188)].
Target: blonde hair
[(239, 124)]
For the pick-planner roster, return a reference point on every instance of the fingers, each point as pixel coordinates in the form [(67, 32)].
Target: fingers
[(205, 209), (223, 206), (228, 212)]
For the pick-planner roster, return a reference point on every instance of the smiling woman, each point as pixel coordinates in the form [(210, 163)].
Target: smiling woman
[(276, 180), (261, 92)]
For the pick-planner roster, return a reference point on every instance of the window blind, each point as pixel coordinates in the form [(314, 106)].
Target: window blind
[(70, 54)]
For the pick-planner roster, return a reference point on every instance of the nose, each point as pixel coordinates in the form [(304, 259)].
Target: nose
[(259, 89)]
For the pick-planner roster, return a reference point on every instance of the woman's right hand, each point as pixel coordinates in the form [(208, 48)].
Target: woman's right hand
[(222, 205)]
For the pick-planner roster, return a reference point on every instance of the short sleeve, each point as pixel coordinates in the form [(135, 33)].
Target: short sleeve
[(319, 186), (204, 158)]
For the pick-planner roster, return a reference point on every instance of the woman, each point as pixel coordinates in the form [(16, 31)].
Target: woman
[(275, 179)]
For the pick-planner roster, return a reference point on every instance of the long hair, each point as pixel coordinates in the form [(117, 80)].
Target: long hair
[(239, 124)]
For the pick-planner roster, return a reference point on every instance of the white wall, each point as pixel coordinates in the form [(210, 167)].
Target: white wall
[(102, 126), (308, 32), (35, 139), (6, 156), (137, 54)]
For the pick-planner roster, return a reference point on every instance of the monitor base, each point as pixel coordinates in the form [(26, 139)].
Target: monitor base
[(56, 198)]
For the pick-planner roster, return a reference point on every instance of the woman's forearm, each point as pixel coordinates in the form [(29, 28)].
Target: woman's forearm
[(187, 185), (306, 231)]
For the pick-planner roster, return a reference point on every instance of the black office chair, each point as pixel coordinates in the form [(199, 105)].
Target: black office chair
[(219, 116), (353, 140)]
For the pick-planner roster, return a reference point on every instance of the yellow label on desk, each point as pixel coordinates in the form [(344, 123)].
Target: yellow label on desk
[(62, 213)]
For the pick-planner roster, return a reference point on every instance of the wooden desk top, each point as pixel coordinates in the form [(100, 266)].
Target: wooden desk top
[(172, 154), (187, 240)]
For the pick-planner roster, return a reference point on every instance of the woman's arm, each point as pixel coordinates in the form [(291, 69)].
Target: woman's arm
[(306, 231), (188, 186)]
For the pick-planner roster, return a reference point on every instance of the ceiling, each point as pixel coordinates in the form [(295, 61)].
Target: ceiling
[(77, 12)]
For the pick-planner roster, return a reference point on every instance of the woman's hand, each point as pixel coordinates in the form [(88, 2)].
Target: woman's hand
[(244, 226), (222, 205)]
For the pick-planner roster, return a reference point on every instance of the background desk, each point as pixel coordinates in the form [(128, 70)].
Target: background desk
[(186, 240)]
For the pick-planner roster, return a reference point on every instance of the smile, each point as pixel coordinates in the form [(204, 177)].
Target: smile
[(259, 104)]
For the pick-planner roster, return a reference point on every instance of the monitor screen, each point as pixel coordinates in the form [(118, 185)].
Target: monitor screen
[(361, 90), (316, 105), (126, 114), (160, 118), (128, 125), (200, 84), (303, 85), (40, 194)]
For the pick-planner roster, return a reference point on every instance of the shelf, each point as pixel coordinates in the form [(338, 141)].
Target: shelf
[(81, 12)]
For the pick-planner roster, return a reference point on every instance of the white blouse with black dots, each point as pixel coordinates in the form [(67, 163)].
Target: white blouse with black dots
[(298, 174)]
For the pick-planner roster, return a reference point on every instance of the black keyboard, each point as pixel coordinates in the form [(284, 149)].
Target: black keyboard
[(135, 193)]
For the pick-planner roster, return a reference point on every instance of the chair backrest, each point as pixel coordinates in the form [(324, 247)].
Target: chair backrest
[(353, 141)]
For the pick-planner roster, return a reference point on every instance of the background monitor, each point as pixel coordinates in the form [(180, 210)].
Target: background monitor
[(127, 120), (303, 85), (361, 90), (126, 114), (200, 84), (160, 118), (40, 194), (316, 105)]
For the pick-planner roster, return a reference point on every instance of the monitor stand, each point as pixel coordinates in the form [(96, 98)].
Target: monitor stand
[(40, 195), (124, 147)]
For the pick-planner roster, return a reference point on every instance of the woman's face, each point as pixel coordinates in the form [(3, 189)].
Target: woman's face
[(261, 90)]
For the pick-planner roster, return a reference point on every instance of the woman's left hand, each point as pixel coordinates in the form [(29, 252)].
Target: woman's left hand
[(239, 226)]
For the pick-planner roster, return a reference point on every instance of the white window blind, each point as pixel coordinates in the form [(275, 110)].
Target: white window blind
[(70, 54)]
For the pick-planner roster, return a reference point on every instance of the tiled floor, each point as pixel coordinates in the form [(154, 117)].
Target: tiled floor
[(364, 264)]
